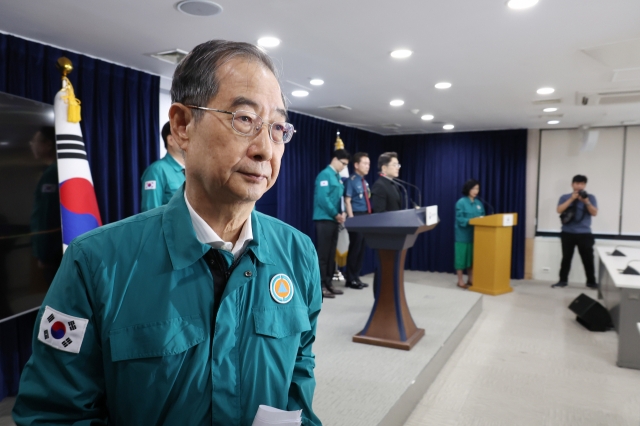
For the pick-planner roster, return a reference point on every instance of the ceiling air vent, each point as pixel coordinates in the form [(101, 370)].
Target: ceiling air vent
[(391, 126), (551, 116), (336, 107), (608, 98), (547, 101), (171, 56)]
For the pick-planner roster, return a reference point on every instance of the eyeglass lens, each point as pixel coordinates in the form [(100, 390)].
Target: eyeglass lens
[(250, 123)]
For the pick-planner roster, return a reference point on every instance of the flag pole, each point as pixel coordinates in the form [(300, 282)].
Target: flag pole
[(79, 211)]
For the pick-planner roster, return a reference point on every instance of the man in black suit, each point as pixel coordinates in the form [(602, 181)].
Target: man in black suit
[(385, 194)]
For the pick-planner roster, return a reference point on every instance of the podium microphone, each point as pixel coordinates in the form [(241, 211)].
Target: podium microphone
[(487, 204), (406, 196), (417, 191)]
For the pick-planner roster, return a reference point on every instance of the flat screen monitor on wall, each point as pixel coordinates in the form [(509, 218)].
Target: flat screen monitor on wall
[(30, 237)]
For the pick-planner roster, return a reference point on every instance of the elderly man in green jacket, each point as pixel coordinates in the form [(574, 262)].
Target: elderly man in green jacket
[(197, 312)]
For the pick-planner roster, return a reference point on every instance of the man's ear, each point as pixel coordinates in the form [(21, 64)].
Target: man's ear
[(181, 120)]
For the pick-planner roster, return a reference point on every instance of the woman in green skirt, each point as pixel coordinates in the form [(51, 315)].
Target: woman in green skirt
[(467, 208)]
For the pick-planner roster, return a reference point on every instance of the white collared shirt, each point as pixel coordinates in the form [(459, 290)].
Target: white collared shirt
[(206, 235)]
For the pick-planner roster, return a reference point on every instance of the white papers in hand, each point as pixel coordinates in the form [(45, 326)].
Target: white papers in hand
[(272, 416)]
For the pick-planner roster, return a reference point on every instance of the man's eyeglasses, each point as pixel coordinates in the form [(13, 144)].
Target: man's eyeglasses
[(398, 165), (344, 163), (248, 123)]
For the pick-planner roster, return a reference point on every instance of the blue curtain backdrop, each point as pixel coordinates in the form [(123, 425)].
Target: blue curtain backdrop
[(120, 109), (440, 164), (437, 163)]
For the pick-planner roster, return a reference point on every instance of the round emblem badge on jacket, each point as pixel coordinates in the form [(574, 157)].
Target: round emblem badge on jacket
[(281, 288)]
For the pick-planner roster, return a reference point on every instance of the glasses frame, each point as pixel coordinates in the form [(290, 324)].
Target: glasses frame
[(256, 129)]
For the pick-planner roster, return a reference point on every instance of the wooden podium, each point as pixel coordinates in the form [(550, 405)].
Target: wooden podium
[(391, 233), (492, 253)]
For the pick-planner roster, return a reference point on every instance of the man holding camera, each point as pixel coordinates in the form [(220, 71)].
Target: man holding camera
[(576, 210)]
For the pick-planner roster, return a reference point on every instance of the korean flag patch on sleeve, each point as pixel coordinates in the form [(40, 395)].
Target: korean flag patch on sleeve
[(62, 331), (150, 185)]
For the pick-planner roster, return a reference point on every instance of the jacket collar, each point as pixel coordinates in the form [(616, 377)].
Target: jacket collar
[(172, 162), (182, 243), (184, 248), (259, 245)]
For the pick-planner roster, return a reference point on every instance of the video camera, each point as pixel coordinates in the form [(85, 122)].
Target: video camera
[(583, 194)]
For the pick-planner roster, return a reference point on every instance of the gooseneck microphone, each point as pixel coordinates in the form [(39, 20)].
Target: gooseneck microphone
[(487, 204), (406, 196), (417, 191)]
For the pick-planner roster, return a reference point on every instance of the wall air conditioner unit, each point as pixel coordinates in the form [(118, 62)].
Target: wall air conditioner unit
[(608, 98)]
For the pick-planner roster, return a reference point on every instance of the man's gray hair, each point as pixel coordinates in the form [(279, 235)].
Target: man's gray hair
[(195, 80)]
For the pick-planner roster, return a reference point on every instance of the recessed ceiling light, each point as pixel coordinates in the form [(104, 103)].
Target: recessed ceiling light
[(521, 4), (4, 143), (448, 126), (300, 93), (443, 85), (199, 7), (401, 53), (553, 122), (268, 42), (396, 102), (546, 91), (317, 82), (427, 117), (550, 109)]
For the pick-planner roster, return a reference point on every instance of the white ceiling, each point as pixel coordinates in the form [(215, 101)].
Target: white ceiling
[(495, 57)]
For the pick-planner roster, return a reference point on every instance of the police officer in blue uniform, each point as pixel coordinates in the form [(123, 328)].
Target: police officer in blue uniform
[(197, 312), (357, 202)]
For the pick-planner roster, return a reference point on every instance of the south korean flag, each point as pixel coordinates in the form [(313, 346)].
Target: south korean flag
[(62, 331)]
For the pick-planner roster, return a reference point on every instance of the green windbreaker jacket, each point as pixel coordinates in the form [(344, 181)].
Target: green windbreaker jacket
[(143, 294)]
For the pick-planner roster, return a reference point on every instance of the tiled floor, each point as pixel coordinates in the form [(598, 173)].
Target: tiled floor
[(527, 362), (358, 384)]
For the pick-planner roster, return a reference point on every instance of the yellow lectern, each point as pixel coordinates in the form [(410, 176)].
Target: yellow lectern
[(492, 253)]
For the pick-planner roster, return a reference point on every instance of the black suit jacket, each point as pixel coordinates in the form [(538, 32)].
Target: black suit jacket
[(385, 196)]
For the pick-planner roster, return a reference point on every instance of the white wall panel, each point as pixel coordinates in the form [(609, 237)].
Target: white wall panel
[(561, 158), (631, 193)]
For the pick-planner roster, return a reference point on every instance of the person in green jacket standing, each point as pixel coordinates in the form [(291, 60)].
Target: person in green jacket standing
[(328, 214), (467, 208), (197, 312), (164, 177)]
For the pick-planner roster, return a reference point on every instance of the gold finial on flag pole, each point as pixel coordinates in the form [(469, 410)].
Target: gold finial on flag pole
[(65, 67), (339, 143)]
